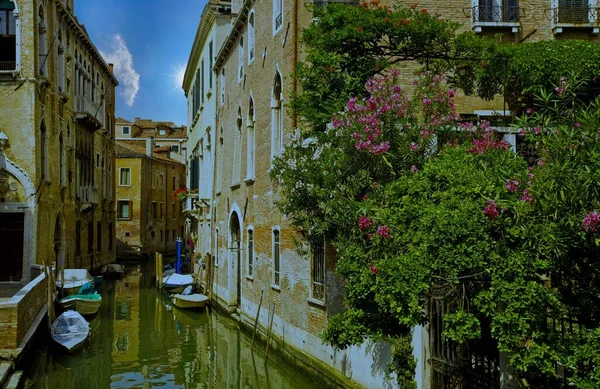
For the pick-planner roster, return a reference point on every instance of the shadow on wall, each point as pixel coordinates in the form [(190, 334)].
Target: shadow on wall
[(125, 250), (381, 352)]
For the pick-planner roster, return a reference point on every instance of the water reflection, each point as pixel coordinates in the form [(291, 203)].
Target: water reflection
[(140, 341)]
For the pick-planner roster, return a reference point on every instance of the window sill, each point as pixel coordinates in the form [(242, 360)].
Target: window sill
[(235, 185), (479, 26), (249, 180), (249, 278), (46, 182), (276, 287), (124, 218), (314, 301), (218, 192)]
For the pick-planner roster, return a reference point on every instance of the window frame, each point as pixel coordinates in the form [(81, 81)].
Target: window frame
[(277, 4), (314, 297), (17, 29), (251, 37), (276, 258), (130, 209), (250, 252), (241, 54), (128, 130)]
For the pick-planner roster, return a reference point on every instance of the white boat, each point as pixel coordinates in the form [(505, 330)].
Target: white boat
[(85, 304), (176, 283), (194, 300), (73, 280), (70, 330)]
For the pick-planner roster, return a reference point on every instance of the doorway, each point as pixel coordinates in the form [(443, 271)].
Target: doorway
[(234, 230), (11, 240)]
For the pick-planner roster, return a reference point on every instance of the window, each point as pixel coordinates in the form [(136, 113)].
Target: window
[(161, 210), (173, 211), (162, 132), (250, 251), (210, 64), (237, 157), (60, 74), (251, 37), (575, 11), (277, 15), (276, 258), (217, 247), (124, 176), (154, 210), (110, 235), (173, 183), (250, 146), (124, 209), (62, 160), (8, 36), (202, 80), (44, 153), (241, 58), (99, 236), (175, 149), (276, 118), (90, 239), (78, 238), (220, 157), (43, 54), (162, 235), (153, 234), (173, 235), (125, 130), (222, 86), (497, 10), (317, 273)]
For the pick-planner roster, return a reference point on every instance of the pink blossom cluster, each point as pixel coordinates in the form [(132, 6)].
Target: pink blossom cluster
[(384, 231), (488, 142), (512, 185), (373, 269), (526, 196), (364, 223), (561, 89), (591, 221), (491, 210)]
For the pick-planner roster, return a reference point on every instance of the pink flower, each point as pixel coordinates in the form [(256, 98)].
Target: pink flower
[(559, 90), (537, 130), (414, 169), (577, 124), (591, 221), (380, 148), (529, 111), (414, 146), (383, 231), (364, 223), (373, 269), (526, 196), (490, 210), (512, 185)]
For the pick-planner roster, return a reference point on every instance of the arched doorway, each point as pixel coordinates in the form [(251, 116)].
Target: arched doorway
[(235, 255), (59, 243)]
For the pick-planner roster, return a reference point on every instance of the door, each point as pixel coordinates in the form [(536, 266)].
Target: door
[(11, 241)]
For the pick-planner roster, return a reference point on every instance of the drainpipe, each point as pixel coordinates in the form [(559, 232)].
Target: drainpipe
[(149, 145), (166, 208), (294, 59)]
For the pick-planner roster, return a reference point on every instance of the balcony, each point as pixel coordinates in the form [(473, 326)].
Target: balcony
[(495, 17), (575, 17), (88, 196), (88, 113)]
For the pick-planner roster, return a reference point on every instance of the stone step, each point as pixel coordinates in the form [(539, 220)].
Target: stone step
[(15, 380), (5, 370)]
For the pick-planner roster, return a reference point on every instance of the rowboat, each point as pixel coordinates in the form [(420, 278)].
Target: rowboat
[(195, 300), (176, 283), (113, 270), (73, 280), (70, 330), (85, 304)]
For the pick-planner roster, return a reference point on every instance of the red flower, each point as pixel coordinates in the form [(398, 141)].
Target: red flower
[(359, 28)]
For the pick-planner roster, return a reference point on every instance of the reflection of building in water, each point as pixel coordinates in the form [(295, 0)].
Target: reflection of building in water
[(127, 320)]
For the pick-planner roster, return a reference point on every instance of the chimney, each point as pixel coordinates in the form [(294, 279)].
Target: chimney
[(149, 145), (137, 118), (111, 67)]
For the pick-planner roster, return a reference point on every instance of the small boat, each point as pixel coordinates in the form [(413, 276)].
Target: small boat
[(113, 270), (98, 281), (70, 330), (85, 304), (195, 300), (73, 280), (176, 283)]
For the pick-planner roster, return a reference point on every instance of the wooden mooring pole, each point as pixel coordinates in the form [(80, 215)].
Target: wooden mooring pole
[(269, 333), (256, 320), (159, 269)]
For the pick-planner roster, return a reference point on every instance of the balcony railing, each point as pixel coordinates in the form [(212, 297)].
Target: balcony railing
[(574, 15), (88, 195), (89, 113), (495, 14), (322, 3), (8, 65)]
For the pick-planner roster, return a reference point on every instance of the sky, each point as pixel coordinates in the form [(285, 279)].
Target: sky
[(149, 42)]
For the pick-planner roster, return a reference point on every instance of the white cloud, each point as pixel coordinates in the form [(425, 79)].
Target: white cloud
[(119, 55)]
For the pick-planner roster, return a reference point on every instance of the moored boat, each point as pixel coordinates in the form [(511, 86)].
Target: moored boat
[(70, 330), (176, 283), (73, 280), (195, 300), (85, 304), (113, 270)]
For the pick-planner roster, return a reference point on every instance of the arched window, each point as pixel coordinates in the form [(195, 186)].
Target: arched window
[(9, 36), (251, 37), (60, 75), (277, 15), (276, 118), (43, 54), (250, 142), (43, 152), (237, 149), (62, 155), (241, 58), (219, 163)]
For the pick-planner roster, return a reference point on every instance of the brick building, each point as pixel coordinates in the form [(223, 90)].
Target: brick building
[(253, 249), (166, 135), (149, 217), (57, 113)]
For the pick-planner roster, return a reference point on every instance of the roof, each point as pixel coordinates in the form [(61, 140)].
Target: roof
[(206, 21), (122, 121), (137, 149)]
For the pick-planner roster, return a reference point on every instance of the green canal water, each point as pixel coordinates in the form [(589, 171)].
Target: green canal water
[(138, 340)]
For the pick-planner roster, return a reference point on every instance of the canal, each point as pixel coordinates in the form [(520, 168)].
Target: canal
[(138, 340)]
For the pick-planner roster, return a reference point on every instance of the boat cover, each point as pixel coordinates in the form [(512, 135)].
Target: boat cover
[(178, 280), (70, 329)]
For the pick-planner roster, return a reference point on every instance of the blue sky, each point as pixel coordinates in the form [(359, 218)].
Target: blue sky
[(149, 42)]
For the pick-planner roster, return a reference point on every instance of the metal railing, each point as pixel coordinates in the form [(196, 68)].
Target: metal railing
[(574, 15), (8, 65), (323, 3), (85, 105), (88, 195), (495, 14)]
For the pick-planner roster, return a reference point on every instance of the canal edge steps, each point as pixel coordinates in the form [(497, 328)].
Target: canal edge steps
[(5, 372), (15, 380)]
